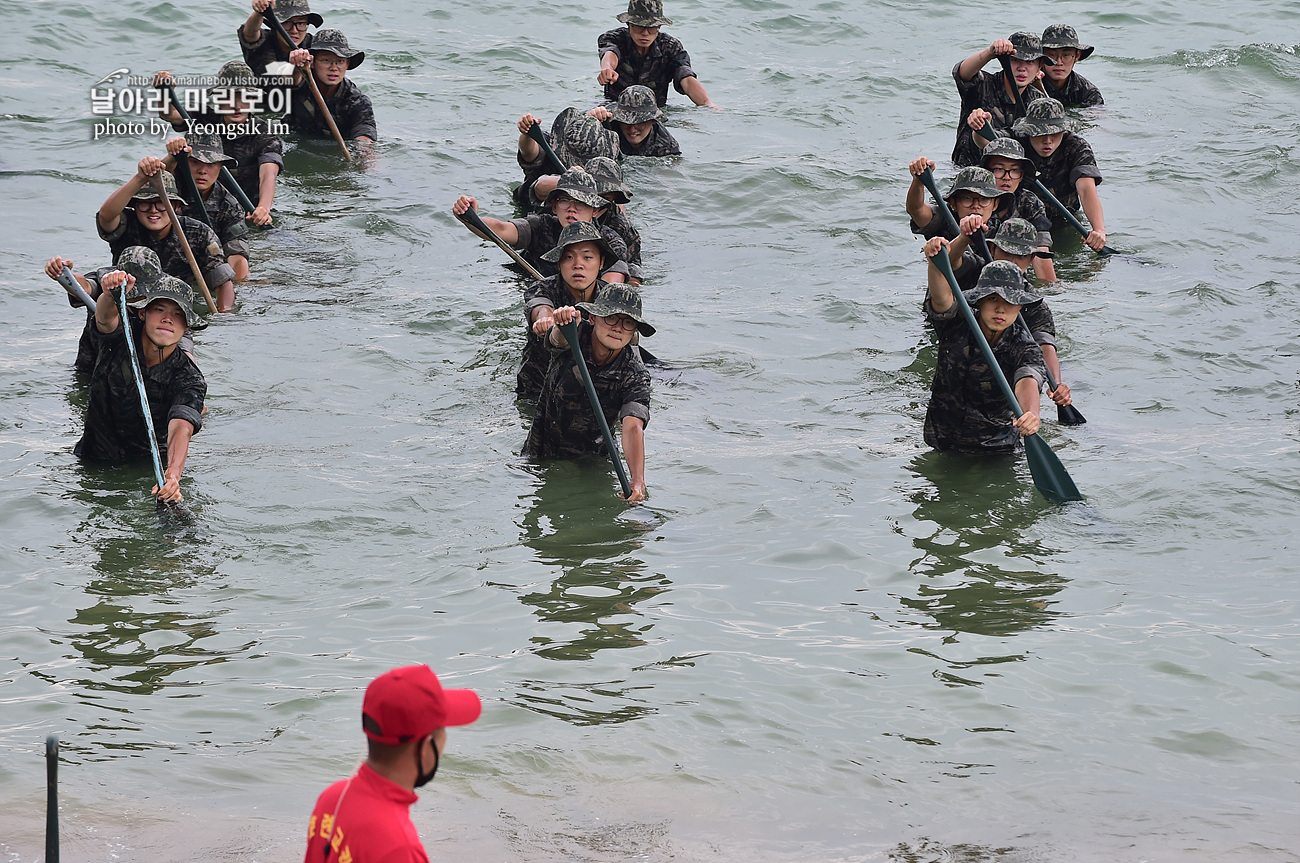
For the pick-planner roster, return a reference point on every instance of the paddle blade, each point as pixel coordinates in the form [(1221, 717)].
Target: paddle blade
[(1049, 474), (1068, 415)]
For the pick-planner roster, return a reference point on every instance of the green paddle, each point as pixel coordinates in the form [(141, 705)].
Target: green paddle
[(1049, 474), (570, 331), (535, 132), (187, 183)]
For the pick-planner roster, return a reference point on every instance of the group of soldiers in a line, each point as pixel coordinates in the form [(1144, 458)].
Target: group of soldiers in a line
[(228, 158), (1013, 130)]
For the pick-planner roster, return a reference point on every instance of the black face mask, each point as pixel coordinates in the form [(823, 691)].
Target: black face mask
[(422, 778)]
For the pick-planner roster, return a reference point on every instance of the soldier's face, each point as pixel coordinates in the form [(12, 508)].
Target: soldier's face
[(580, 266), (970, 204), (1065, 59), (1021, 261), (164, 322), (204, 174), (635, 133), (613, 332), (1007, 173), (1024, 71), (996, 314), (152, 215), (568, 210), (1046, 145), (643, 37), (329, 67)]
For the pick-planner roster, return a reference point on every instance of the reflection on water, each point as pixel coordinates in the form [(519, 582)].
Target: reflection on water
[(981, 569), (578, 523), (149, 612)]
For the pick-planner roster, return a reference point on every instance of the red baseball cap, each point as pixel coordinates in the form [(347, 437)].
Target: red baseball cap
[(409, 703)]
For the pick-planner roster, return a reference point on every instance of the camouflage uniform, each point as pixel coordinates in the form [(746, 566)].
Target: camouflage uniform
[(267, 48), (986, 90), (115, 430), (972, 178), (351, 109), (617, 221), (564, 425), (203, 241), (1025, 205), (538, 233), (1076, 92), (1016, 238), (576, 140), (552, 292), (225, 213), (666, 62), (1070, 161), (967, 411)]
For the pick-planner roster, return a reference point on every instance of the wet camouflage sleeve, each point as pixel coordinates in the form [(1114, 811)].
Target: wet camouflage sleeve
[(564, 425), (967, 411), (552, 293), (1042, 325), (665, 63), (985, 91), (115, 431), (227, 217), (1077, 92), (618, 222), (1072, 160)]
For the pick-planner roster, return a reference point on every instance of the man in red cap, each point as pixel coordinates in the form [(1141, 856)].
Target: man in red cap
[(366, 819)]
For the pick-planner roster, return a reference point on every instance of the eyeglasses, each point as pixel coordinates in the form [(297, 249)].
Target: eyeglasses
[(332, 61), (1014, 173), (295, 24), (150, 207), (968, 199), (619, 322)]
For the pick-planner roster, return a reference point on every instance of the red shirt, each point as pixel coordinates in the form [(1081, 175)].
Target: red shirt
[(373, 823)]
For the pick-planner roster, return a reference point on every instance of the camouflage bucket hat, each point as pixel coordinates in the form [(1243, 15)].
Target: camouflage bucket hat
[(1004, 279), (336, 43), (207, 148), (148, 193), (645, 13), (977, 180), (1029, 47), (619, 300), (239, 74), (580, 186), (579, 232), (1007, 147), (636, 104), (151, 283), (286, 9), (1042, 117), (1016, 237), (1063, 36), (580, 138), (609, 179)]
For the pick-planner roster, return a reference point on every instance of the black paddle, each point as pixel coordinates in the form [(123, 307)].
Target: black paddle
[(187, 182), (227, 179), (472, 219), (570, 331), (52, 799), (1067, 415), (1050, 476), (535, 132)]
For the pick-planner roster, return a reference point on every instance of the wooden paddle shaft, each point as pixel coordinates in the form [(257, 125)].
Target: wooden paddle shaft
[(227, 178), (158, 186), (269, 16)]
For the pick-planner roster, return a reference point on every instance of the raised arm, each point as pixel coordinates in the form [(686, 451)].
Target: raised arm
[(253, 26), (529, 149), (505, 230), (940, 292), (918, 208), (971, 66), (110, 212), (106, 317)]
